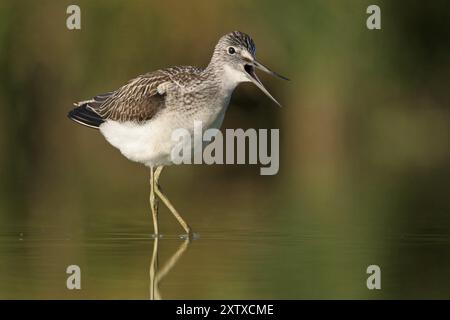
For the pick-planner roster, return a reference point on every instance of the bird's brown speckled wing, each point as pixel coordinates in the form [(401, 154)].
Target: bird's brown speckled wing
[(138, 100)]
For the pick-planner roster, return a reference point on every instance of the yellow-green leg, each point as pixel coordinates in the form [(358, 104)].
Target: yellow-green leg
[(167, 202), (154, 202)]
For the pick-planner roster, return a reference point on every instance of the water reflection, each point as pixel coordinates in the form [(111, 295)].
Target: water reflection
[(156, 274)]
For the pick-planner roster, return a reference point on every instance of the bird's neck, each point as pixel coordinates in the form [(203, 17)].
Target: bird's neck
[(222, 74)]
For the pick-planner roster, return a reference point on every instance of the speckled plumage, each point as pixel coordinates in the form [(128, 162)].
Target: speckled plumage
[(139, 100)]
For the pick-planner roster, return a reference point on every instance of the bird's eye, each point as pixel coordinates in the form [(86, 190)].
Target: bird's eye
[(231, 50)]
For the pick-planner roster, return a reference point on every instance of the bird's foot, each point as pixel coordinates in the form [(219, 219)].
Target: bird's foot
[(190, 236)]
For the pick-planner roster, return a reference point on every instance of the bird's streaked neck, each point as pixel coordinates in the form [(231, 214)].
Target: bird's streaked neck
[(228, 76)]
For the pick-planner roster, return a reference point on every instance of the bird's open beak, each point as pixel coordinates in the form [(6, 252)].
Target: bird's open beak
[(250, 70)]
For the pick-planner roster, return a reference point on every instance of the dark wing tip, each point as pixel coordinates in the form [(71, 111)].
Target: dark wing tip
[(86, 117)]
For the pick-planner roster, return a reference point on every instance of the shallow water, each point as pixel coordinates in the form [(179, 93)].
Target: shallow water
[(239, 263)]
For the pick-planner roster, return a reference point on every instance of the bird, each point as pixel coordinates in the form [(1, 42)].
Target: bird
[(138, 117)]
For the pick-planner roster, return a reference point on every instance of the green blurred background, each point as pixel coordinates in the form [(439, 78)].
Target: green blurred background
[(365, 153)]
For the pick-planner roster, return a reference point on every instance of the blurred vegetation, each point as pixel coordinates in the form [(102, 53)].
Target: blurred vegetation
[(365, 154)]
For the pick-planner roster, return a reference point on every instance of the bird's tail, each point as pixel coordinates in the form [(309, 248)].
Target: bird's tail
[(85, 116)]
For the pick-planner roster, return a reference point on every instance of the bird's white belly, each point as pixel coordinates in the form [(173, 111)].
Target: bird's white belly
[(151, 142)]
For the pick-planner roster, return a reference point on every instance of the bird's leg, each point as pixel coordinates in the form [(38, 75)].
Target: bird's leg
[(168, 204), (154, 201)]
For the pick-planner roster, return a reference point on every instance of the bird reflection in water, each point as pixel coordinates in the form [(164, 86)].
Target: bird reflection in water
[(156, 274)]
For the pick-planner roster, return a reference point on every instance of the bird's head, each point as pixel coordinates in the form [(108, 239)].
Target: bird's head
[(235, 52)]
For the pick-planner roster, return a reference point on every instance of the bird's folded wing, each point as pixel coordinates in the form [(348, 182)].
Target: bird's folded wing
[(136, 101)]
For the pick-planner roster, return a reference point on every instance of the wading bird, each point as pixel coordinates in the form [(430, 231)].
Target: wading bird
[(139, 117)]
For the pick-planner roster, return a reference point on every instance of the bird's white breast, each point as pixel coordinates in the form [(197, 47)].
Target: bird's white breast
[(147, 143)]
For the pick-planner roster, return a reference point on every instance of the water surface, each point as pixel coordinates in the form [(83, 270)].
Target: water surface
[(240, 263)]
